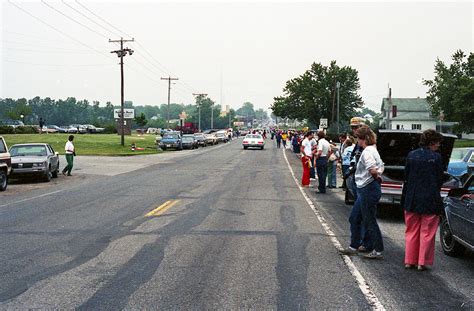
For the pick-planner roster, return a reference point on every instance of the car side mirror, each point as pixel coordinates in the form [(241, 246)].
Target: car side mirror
[(457, 192)]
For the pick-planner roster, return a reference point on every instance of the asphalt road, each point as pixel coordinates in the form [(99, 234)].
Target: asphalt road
[(218, 228)]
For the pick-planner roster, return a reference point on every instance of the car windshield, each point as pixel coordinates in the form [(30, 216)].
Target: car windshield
[(171, 136), (458, 155), (188, 139), (28, 151), (253, 136)]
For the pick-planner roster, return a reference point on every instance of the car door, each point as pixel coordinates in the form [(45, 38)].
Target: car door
[(468, 213), (53, 158)]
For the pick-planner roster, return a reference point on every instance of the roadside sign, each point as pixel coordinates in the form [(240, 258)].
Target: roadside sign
[(127, 113), (183, 115), (323, 123)]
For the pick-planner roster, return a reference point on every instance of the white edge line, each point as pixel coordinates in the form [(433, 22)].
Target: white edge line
[(29, 199), (363, 285)]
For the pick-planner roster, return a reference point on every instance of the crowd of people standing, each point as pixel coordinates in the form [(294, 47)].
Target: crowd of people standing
[(361, 169)]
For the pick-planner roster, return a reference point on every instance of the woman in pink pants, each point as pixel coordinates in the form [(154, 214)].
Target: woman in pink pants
[(422, 200)]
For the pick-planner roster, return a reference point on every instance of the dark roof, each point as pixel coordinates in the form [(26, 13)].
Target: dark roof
[(408, 104)]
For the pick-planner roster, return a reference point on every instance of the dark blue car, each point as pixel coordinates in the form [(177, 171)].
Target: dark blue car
[(457, 225), (460, 158), (171, 140)]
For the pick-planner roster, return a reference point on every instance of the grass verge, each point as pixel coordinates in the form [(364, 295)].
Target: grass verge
[(90, 144)]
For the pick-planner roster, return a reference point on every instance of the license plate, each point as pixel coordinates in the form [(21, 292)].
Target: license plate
[(168, 146)]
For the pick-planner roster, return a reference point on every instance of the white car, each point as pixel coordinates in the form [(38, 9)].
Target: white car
[(253, 140)]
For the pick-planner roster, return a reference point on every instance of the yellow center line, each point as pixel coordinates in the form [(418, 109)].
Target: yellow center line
[(162, 208)]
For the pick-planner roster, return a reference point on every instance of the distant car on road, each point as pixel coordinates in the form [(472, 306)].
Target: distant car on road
[(253, 141), (457, 225), (460, 158), (171, 140), (52, 129), (211, 139), (12, 123), (222, 136), (189, 142), (80, 129), (34, 160), (5, 164), (201, 139)]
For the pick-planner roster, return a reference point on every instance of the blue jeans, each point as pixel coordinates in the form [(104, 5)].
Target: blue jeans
[(369, 196), (322, 171), (359, 235), (332, 168)]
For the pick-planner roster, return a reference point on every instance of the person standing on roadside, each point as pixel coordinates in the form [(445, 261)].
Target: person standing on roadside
[(284, 137), (306, 156), (346, 159), (368, 181), (70, 154), (332, 165), (322, 161), (422, 201), (278, 139), (41, 124)]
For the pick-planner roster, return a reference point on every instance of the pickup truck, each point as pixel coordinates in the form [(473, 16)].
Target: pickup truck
[(393, 147), (5, 164)]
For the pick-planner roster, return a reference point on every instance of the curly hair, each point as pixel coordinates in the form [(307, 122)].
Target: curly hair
[(364, 132), (430, 137)]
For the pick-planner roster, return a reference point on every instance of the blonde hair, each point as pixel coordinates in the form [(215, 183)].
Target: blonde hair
[(365, 133)]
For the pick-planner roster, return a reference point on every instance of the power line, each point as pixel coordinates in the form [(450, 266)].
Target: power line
[(47, 51), (127, 35), (56, 29), (40, 45), (77, 22), (56, 65), (82, 14)]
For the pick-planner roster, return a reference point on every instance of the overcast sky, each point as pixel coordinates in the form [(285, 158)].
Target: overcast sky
[(246, 49)]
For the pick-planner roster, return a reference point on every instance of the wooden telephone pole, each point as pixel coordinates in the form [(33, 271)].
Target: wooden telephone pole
[(169, 94)]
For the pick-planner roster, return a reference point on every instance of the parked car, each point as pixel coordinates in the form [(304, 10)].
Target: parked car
[(80, 129), (52, 129), (201, 139), (34, 160), (189, 142), (253, 141), (91, 129), (211, 139), (222, 136), (459, 160), (456, 232), (171, 140), (5, 164), (12, 123), (393, 147)]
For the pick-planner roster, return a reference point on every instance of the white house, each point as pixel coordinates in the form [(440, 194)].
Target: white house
[(407, 114)]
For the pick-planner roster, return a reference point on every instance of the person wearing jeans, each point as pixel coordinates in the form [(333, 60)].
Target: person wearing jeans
[(368, 180), (322, 161)]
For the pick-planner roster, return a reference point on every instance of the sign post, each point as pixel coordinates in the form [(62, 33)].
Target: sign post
[(124, 128), (323, 123)]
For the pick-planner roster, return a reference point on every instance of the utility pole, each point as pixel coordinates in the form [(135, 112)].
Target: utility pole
[(121, 53), (212, 115), (338, 86), (169, 93), (199, 98)]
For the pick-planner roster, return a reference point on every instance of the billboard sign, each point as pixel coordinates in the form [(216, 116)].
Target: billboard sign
[(127, 113)]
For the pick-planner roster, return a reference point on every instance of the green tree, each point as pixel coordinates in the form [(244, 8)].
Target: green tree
[(141, 120), (452, 91), (312, 95)]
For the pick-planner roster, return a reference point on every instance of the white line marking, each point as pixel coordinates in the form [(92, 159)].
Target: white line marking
[(363, 285), (29, 199)]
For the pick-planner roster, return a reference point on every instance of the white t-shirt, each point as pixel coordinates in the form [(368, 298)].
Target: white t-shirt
[(324, 146), (69, 148), (369, 158), (306, 147)]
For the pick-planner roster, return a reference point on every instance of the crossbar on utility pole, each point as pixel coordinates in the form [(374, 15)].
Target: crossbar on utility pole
[(169, 95), (199, 98), (121, 53)]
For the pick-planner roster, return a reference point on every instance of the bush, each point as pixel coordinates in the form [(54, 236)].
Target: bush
[(5, 129), (110, 128)]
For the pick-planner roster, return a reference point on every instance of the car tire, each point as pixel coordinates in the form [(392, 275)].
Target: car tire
[(56, 172), (261, 148), (449, 245), (48, 175), (245, 147), (163, 148), (3, 181)]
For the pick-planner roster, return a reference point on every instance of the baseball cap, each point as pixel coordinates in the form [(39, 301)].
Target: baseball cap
[(356, 121)]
